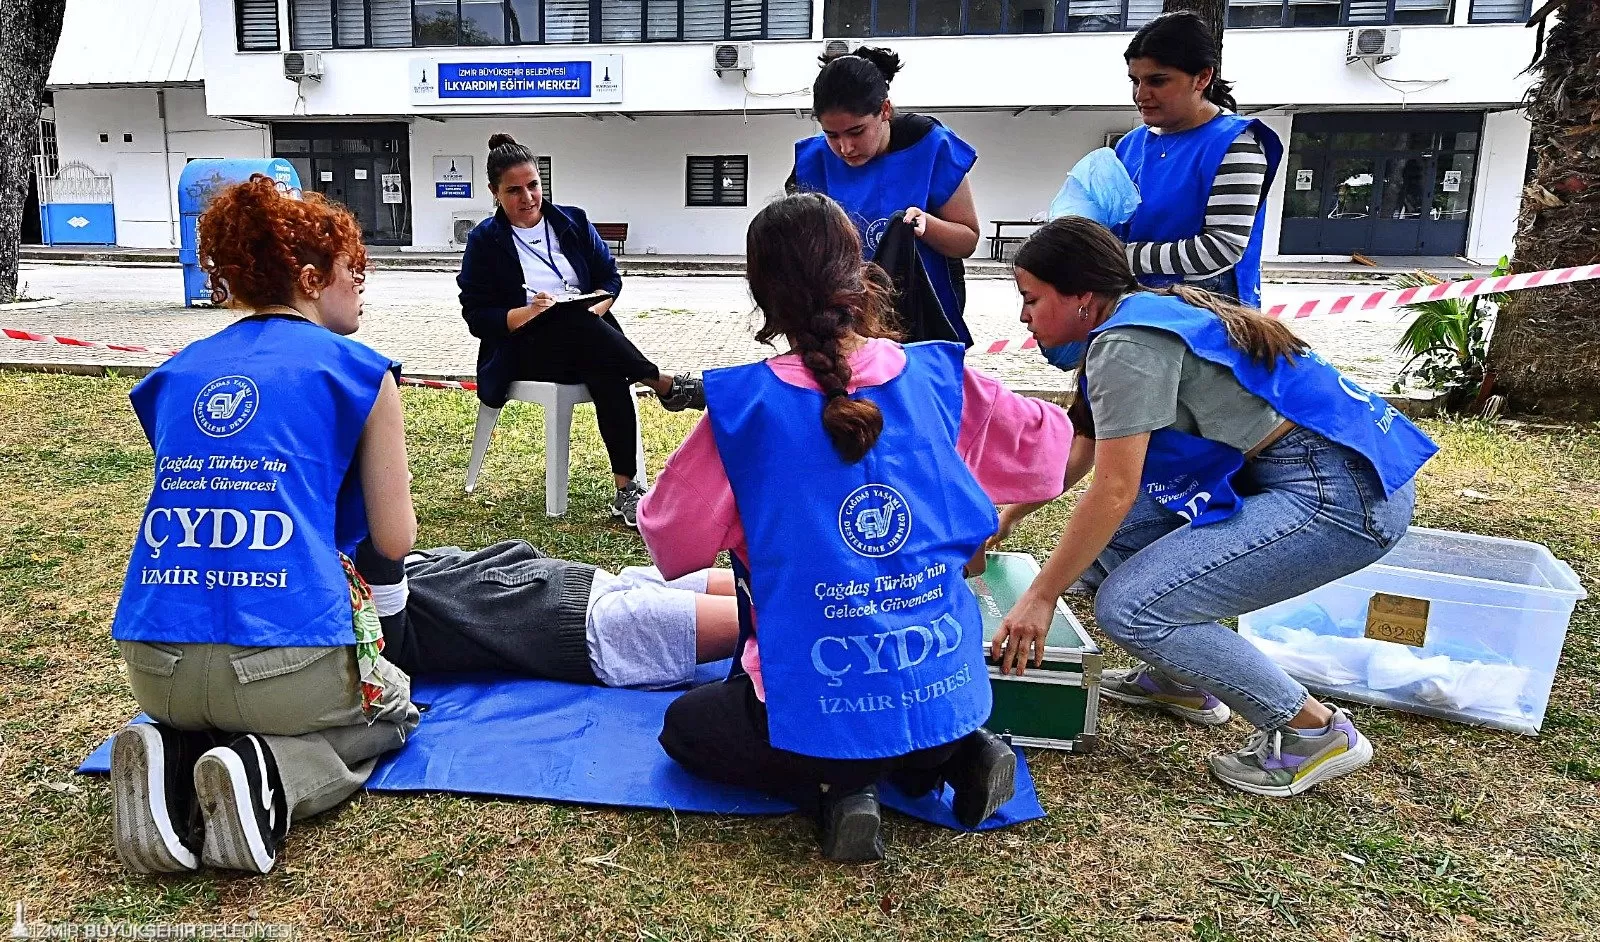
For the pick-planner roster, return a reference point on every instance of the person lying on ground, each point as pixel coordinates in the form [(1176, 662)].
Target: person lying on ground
[(509, 607)]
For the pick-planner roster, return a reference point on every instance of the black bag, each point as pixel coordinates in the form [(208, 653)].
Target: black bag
[(922, 317)]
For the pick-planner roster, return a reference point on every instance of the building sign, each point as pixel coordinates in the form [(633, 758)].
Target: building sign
[(452, 82), (452, 177)]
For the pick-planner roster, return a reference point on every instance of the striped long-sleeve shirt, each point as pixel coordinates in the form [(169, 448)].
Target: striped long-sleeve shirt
[(1230, 215)]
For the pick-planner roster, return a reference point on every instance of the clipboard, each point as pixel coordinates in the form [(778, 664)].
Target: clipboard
[(582, 302)]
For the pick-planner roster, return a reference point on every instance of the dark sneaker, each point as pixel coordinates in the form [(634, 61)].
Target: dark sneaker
[(1284, 762), (245, 808), (1141, 686), (626, 503), (983, 773), (852, 825), (153, 812), (687, 392)]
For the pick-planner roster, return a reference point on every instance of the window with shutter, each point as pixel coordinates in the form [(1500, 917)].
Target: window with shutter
[(788, 19), (1421, 12), (543, 163), (311, 24), (566, 21), (1500, 11), (704, 19), (621, 21), (717, 181), (350, 22), (257, 22), (744, 19), (390, 22)]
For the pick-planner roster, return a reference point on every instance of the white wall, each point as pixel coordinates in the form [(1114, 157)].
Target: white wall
[(1272, 67), (633, 171), (1502, 166), (146, 204)]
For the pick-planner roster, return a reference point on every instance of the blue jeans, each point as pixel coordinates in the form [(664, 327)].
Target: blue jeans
[(1312, 511)]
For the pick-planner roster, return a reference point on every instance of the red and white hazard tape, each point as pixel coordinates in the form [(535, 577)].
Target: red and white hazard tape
[(1353, 303), (1344, 304), (14, 334)]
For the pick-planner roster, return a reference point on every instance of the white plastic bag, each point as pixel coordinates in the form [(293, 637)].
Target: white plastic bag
[(1097, 187)]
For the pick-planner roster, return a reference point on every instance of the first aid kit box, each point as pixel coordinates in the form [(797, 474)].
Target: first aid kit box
[(1452, 625)]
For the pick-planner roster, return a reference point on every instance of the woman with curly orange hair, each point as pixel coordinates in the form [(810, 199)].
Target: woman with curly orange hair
[(250, 641)]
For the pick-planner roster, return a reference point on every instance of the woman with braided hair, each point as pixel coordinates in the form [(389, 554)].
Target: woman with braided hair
[(852, 479)]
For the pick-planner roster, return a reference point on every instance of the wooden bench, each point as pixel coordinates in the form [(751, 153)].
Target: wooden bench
[(615, 234)]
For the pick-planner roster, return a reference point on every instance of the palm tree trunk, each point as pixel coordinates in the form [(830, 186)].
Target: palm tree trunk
[(1545, 355), (29, 31), (1214, 12)]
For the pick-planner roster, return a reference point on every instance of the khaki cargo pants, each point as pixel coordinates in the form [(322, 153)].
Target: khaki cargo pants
[(305, 702)]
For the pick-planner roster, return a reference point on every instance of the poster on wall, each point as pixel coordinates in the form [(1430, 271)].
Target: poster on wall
[(1452, 181), (452, 177), (1303, 179), (392, 188), (509, 80)]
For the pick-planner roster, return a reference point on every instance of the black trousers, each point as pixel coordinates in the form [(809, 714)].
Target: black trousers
[(570, 345), (719, 732)]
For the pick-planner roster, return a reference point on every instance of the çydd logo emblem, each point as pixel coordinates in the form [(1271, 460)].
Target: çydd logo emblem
[(226, 405), (875, 520), (875, 233)]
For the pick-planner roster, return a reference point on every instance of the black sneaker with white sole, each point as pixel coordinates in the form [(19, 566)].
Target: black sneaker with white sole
[(155, 822), (688, 392), (242, 799), (626, 503), (852, 825), (983, 773)]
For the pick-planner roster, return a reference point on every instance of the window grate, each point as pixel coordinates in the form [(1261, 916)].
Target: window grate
[(717, 181)]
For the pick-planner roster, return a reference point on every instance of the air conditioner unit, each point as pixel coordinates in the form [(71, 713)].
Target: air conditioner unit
[(1379, 44), (834, 48), (462, 224), (733, 57), (302, 65)]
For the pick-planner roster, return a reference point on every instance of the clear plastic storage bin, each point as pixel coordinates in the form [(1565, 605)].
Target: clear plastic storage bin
[(1497, 619)]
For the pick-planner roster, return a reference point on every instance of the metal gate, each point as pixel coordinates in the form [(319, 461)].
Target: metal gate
[(76, 206)]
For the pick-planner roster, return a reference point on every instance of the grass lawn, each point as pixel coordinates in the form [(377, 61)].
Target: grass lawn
[(1450, 833)]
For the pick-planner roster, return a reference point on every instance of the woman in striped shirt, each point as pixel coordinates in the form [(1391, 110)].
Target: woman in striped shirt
[(1202, 170)]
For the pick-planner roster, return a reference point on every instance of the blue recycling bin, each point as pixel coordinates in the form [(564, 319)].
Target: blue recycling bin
[(201, 179)]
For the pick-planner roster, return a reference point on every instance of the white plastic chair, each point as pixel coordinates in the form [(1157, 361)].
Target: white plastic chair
[(557, 399)]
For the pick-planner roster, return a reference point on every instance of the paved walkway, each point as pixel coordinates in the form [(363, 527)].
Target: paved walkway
[(683, 322)]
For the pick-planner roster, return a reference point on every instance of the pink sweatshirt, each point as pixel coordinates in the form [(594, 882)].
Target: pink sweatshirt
[(1016, 447)]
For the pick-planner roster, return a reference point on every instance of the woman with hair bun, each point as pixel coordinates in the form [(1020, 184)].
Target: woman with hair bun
[(518, 267), (1202, 170), (852, 480), (880, 164), (250, 640)]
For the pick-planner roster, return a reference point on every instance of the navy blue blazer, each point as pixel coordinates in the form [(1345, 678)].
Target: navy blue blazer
[(491, 285)]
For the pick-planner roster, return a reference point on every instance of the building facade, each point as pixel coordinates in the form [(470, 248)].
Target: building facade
[(1422, 154)]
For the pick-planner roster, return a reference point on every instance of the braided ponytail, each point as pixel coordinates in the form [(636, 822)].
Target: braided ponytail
[(806, 274)]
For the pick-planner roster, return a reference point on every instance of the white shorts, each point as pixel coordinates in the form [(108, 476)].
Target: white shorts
[(641, 628)]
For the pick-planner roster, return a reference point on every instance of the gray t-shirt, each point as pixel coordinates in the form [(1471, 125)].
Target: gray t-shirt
[(1142, 379)]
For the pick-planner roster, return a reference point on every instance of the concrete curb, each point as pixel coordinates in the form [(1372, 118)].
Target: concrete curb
[(38, 305)]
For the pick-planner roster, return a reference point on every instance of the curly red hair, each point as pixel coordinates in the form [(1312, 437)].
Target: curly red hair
[(255, 238)]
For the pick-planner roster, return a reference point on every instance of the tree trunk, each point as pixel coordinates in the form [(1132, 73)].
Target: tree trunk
[(31, 29), (1214, 12), (1545, 354)]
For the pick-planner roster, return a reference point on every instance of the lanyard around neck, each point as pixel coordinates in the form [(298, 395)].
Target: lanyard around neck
[(550, 260)]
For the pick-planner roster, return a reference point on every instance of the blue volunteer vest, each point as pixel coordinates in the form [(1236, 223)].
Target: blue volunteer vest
[(924, 175), (254, 431), (1174, 189), (871, 642), (1192, 476)]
